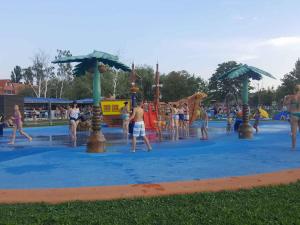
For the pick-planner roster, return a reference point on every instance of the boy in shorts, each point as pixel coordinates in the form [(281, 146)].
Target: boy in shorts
[(139, 127)]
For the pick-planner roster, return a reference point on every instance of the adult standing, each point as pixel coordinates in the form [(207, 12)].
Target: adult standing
[(74, 114), (292, 102), (125, 118)]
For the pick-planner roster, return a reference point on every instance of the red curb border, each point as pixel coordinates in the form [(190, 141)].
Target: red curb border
[(60, 195)]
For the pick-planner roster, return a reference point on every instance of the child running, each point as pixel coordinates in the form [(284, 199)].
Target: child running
[(139, 126), (204, 123), (18, 125)]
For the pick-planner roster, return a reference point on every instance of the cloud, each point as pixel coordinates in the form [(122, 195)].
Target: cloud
[(283, 41), (247, 57), (239, 18)]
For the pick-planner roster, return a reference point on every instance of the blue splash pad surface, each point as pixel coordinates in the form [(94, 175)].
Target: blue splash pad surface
[(51, 161)]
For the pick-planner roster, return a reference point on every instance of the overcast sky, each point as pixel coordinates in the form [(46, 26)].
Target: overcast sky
[(194, 35)]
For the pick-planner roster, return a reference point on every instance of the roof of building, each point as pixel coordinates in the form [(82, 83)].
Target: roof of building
[(46, 100)]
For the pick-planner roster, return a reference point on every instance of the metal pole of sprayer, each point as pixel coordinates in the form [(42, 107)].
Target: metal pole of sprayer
[(157, 87), (133, 90), (49, 113)]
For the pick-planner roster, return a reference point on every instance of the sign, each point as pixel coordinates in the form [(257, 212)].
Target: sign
[(113, 107)]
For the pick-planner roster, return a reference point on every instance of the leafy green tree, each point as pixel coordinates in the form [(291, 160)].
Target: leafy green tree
[(289, 82), (180, 84), (16, 74), (81, 87), (64, 71), (218, 89), (145, 80), (28, 75), (263, 97), (123, 85), (26, 92)]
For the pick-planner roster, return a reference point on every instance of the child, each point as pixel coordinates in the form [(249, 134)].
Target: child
[(18, 125), (204, 123), (229, 123), (1, 125), (256, 120), (186, 116)]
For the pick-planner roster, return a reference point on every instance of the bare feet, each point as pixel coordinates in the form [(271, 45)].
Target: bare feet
[(30, 139), (11, 143)]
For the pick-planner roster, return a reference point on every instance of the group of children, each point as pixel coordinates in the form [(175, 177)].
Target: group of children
[(174, 119), (238, 120)]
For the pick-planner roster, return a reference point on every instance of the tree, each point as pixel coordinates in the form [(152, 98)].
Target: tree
[(289, 82), (81, 87), (42, 71), (123, 85), (16, 74), (27, 75), (218, 89), (263, 97), (181, 84), (64, 70), (26, 92), (145, 80)]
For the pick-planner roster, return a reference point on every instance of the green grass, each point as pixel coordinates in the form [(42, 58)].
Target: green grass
[(269, 205)]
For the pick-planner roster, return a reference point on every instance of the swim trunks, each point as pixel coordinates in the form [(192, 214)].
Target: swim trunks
[(139, 129), (295, 114), (125, 116), (181, 117), (203, 124)]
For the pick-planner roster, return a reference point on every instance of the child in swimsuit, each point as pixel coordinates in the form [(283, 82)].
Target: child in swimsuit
[(204, 123), (18, 125), (229, 123), (256, 120)]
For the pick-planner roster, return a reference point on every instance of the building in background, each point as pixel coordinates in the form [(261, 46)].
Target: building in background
[(9, 88)]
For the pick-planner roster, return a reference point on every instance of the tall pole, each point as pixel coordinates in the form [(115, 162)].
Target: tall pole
[(96, 141), (134, 89), (96, 85), (157, 91), (245, 129)]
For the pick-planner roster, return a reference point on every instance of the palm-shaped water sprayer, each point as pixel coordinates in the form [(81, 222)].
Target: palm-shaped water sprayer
[(246, 73), (94, 63)]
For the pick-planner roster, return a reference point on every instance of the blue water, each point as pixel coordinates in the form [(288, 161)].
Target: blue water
[(52, 161)]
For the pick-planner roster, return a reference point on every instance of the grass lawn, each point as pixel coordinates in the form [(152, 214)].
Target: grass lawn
[(269, 205)]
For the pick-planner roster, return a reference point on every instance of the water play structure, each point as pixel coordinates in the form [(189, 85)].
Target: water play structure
[(246, 73), (94, 63), (263, 113)]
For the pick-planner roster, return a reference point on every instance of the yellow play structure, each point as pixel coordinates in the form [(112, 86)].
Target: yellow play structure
[(263, 113)]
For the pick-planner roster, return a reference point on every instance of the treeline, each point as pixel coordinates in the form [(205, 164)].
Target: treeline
[(47, 80)]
